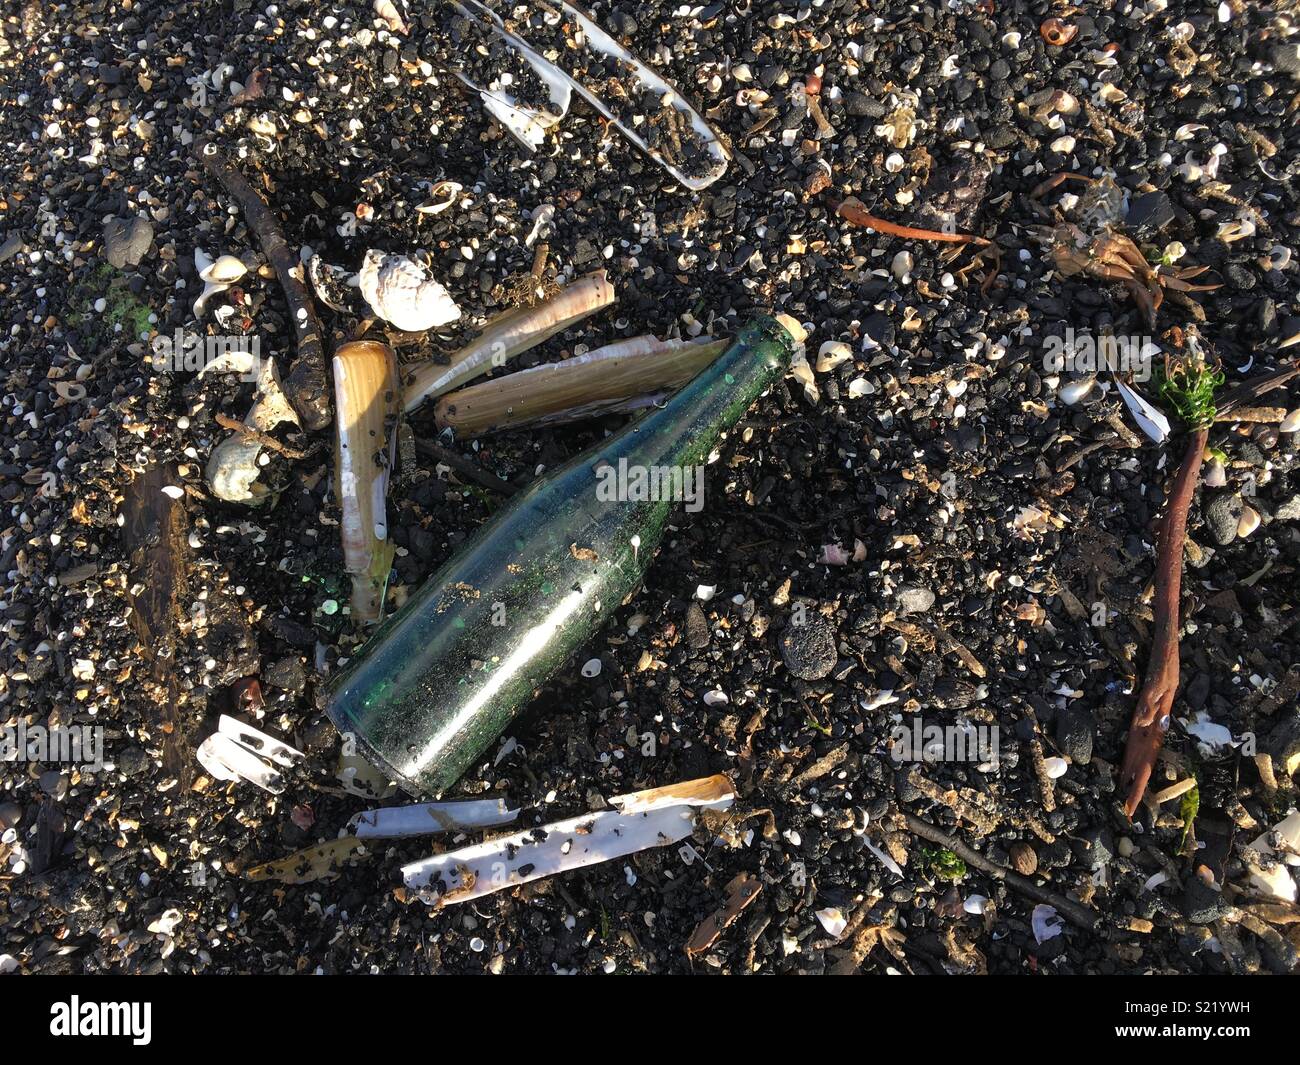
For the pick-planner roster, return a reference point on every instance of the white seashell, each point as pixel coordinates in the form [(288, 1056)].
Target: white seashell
[(956, 388), (901, 267), (1112, 94), (1076, 391), (1064, 145), (742, 73), (1067, 104), (1291, 422), (831, 354), (442, 195), (1011, 39), (833, 920), (1279, 258), (1215, 474), (860, 387), (1248, 522), (1055, 767), (401, 292), (705, 592), (975, 904), (1187, 130), (263, 124), (894, 162), (225, 271), (717, 697), (592, 668)]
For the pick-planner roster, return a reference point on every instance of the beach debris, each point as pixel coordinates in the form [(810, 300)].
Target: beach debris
[(319, 862), (640, 820), (1047, 923), (1150, 419), (636, 101), (217, 275), (366, 398), (238, 751), (431, 818), (233, 468), (626, 375), (509, 334), (400, 291), (1271, 857), (741, 891), (1188, 383), (306, 385)]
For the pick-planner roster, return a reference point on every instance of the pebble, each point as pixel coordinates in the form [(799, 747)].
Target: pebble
[(809, 649), (127, 241)]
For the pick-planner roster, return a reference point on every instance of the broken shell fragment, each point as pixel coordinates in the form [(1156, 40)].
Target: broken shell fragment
[(1291, 422), (1076, 391), (365, 393), (1057, 33), (232, 468), (225, 271), (831, 354), (400, 291), (1248, 522), (441, 195), (1216, 476)]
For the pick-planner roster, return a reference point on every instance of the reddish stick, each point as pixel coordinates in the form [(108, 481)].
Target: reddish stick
[(852, 210), (1151, 716)]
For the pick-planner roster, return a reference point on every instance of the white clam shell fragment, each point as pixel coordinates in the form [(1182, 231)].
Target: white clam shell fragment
[(400, 291), (831, 354), (226, 270), (1073, 392), (1291, 423), (1216, 476)]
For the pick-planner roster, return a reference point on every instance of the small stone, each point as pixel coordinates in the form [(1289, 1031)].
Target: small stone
[(697, 627), (127, 241), (1073, 733), (286, 674), (809, 649), (1222, 515), (914, 599)]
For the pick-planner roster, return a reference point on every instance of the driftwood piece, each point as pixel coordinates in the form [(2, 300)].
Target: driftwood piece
[(307, 384)]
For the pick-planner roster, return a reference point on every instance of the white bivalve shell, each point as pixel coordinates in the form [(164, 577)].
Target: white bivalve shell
[(401, 292)]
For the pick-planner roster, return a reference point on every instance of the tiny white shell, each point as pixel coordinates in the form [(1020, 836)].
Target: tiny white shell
[(833, 920), (1055, 767), (1064, 145), (1248, 522), (1076, 391), (1215, 474), (717, 697), (894, 162), (860, 387), (592, 668), (1291, 422), (831, 354)]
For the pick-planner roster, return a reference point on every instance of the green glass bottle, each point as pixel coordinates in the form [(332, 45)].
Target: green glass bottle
[(442, 678)]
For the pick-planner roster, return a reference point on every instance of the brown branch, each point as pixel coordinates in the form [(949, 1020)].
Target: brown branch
[(266, 440), (465, 467), (1080, 915), (307, 385), (852, 210), (1151, 716)]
